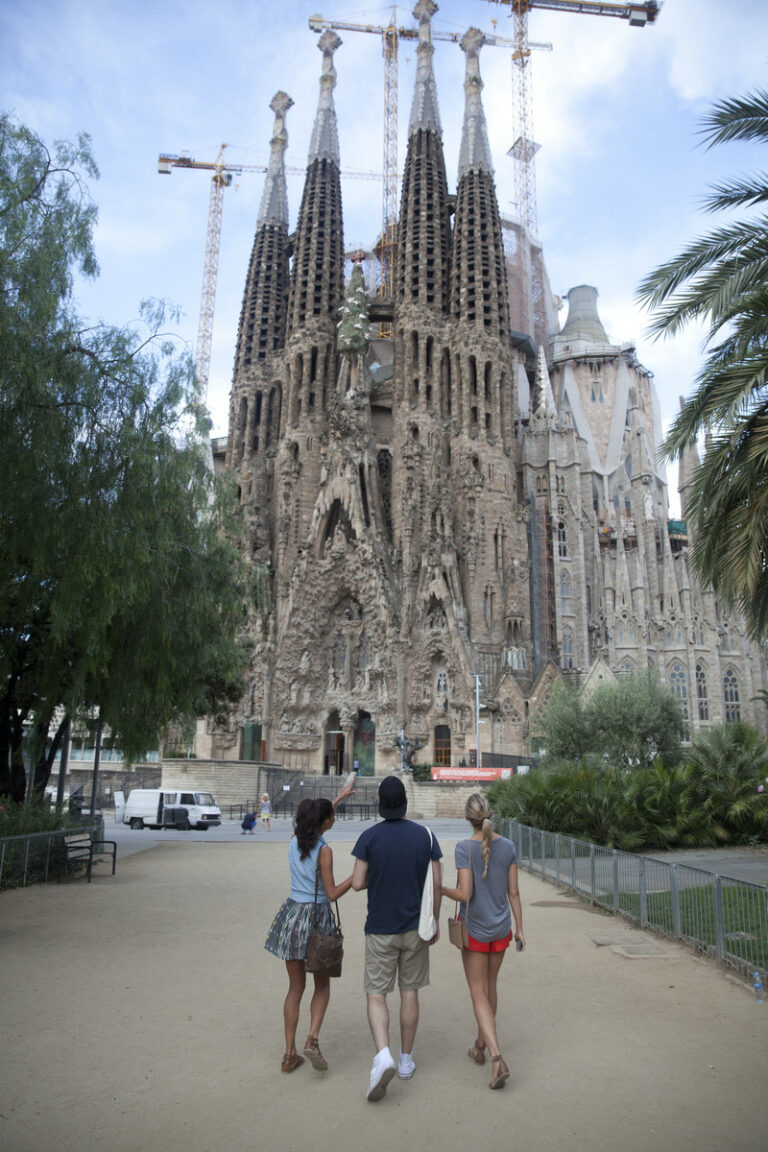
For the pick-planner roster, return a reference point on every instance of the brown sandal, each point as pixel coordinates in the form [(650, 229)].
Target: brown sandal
[(500, 1072), (314, 1055), (477, 1052), (291, 1061)]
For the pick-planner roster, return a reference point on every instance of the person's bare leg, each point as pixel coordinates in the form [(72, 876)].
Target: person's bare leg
[(378, 1020), (409, 1018), (495, 960), (319, 1003), (297, 979), (476, 966)]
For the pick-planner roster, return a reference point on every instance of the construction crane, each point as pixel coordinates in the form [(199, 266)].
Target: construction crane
[(391, 34), (221, 179), (524, 150)]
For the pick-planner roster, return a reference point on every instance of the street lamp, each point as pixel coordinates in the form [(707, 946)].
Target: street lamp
[(477, 719)]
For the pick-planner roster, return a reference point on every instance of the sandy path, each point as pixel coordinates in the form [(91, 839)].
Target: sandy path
[(141, 1012)]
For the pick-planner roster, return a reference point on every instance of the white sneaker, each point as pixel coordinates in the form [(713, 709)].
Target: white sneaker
[(405, 1066), (382, 1072)]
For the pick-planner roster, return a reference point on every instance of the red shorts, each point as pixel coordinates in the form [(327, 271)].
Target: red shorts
[(488, 945)]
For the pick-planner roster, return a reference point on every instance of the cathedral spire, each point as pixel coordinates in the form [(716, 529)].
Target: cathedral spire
[(262, 318), (317, 279), (274, 198), (545, 400), (424, 109), (478, 273), (424, 234), (325, 136), (475, 150)]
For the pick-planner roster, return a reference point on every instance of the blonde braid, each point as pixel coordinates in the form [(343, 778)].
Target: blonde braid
[(480, 815)]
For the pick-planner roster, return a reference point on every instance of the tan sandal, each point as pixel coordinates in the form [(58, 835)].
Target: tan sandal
[(314, 1055), (291, 1061), (477, 1052), (500, 1072)]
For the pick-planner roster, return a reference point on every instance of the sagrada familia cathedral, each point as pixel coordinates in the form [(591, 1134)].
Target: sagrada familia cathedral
[(451, 501)]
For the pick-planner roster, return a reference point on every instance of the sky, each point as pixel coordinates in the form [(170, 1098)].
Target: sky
[(620, 174)]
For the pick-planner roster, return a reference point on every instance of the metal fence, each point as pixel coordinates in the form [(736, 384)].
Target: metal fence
[(36, 857), (724, 918)]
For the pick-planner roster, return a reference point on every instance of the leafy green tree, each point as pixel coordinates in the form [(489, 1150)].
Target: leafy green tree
[(634, 720), (565, 726), (121, 589), (721, 278), (623, 723)]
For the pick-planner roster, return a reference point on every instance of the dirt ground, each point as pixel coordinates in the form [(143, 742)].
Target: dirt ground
[(141, 1012)]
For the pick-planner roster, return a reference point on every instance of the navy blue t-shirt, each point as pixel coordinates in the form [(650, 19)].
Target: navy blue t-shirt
[(398, 855)]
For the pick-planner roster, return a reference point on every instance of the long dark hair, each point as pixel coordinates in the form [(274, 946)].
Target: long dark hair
[(309, 819)]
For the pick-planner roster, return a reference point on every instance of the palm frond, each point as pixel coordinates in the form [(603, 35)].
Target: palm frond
[(748, 190), (738, 244), (738, 118)]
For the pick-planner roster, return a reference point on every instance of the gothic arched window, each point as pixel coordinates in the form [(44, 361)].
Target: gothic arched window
[(678, 682), (701, 691), (566, 652), (562, 540), (565, 592), (731, 696)]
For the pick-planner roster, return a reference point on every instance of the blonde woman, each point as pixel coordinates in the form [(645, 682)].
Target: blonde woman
[(487, 889)]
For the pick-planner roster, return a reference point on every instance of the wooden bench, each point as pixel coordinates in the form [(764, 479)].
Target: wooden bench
[(80, 849)]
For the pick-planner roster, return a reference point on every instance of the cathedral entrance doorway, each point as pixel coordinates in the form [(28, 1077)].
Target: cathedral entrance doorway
[(333, 761), (443, 745), (364, 747)]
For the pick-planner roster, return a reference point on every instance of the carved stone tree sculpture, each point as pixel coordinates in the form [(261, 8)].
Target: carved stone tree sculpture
[(408, 747)]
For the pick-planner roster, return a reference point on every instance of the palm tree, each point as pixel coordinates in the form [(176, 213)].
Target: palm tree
[(722, 278), (726, 763)]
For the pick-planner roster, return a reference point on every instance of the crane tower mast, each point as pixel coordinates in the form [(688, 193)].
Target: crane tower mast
[(524, 150)]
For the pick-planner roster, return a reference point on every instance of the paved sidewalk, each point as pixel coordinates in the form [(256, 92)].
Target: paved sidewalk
[(140, 1013)]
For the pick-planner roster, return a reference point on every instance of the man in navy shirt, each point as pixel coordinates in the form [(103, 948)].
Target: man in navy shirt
[(391, 861)]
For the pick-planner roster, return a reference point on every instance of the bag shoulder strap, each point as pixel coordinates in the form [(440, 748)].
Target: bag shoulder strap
[(469, 864), (314, 907)]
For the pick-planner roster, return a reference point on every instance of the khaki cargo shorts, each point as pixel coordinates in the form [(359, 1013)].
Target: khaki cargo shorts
[(404, 955)]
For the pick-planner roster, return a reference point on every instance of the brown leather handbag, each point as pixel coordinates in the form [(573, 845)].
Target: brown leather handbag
[(457, 929), (324, 953)]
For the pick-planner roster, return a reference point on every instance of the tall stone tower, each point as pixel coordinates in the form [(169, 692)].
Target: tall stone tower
[(448, 520)]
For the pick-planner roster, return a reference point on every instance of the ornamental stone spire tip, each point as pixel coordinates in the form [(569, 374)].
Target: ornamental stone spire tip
[(475, 150), (325, 137), (424, 109), (274, 198)]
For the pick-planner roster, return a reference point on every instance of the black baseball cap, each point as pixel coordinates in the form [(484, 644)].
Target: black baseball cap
[(392, 799)]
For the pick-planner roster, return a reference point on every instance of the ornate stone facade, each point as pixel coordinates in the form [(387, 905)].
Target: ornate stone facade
[(476, 496)]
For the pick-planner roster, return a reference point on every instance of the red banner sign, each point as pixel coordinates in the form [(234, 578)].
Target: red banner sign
[(467, 775)]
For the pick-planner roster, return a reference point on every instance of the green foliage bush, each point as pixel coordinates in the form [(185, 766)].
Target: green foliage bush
[(709, 798), (27, 818)]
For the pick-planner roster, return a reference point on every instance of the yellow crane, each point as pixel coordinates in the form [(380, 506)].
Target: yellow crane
[(391, 34), (524, 149), (221, 179)]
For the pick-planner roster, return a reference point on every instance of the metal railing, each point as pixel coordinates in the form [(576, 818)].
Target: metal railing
[(725, 918), (37, 856)]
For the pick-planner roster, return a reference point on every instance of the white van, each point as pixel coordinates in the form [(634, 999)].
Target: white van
[(146, 808)]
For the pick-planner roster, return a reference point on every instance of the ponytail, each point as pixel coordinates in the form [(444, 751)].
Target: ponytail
[(480, 815)]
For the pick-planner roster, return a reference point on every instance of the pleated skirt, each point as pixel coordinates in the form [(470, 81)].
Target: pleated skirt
[(288, 935)]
